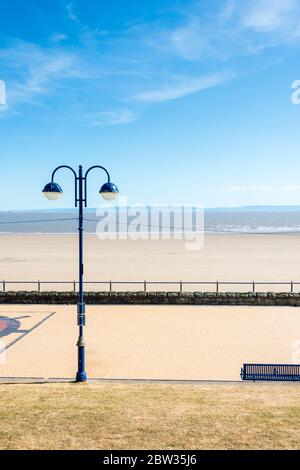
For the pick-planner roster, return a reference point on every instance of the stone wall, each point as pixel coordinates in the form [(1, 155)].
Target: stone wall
[(154, 298)]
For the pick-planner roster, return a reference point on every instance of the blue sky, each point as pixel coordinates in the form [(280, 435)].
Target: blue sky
[(183, 101)]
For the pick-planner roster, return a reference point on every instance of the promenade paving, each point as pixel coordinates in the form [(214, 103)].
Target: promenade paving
[(146, 342)]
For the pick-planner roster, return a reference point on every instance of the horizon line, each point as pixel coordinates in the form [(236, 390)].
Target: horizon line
[(247, 206)]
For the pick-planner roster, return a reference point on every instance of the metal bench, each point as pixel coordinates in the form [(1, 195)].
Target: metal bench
[(274, 372)]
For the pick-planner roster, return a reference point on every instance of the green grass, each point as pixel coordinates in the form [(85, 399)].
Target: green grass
[(133, 416)]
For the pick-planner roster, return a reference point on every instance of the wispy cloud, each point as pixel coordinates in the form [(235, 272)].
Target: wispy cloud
[(2, 93), (108, 118), (271, 15), (182, 87), (58, 37), (235, 28), (149, 62), (292, 188), (244, 189), (70, 12), (33, 71), (257, 188), (191, 41)]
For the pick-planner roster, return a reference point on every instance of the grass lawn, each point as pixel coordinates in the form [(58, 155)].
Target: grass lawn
[(151, 416)]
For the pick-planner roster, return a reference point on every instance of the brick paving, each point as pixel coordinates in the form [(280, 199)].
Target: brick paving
[(147, 342)]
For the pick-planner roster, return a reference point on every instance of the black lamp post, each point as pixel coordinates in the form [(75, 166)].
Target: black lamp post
[(108, 191)]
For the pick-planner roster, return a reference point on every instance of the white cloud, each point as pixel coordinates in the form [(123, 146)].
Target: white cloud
[(190, 42), (33, 71), (108, 118), (270, 15), (244, 189), (70, 12), (258, 188), (292, 188), (155, 54), (228, 9), (58, 37), (237, 27), (2, 93), (184, 86)]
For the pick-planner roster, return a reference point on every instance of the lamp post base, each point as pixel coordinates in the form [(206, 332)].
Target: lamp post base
[(81, 374), (81, 377)]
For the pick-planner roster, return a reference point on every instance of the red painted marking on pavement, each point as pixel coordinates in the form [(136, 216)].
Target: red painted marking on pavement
[(3, 324)]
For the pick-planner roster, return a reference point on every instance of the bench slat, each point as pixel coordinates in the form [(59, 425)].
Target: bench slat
[(271, 372)]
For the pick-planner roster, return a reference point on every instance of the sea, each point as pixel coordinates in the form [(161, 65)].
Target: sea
[(238, 220)]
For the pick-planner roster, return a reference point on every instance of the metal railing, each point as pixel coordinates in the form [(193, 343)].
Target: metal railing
[(145, 285)]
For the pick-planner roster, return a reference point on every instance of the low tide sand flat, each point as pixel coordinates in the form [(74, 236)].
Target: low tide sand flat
[(223, 257), (153, 342)]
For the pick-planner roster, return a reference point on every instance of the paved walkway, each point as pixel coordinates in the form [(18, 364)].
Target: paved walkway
[(146, 342)]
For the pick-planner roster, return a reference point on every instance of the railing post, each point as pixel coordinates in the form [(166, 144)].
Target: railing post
[(253, 286), (180, 286), (3, 286), (292, 287), (39, 286), (217, 287), (110, 286), (74, 286), (145, 286)]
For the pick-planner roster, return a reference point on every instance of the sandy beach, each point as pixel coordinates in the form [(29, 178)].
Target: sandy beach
[(223, 257)]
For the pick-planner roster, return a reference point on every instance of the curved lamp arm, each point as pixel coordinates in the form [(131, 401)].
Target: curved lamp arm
[(85, 178), (63, 166), (101, 168), (75, 176)]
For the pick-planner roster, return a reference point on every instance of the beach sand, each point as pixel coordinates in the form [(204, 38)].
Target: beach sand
[(223, 257)]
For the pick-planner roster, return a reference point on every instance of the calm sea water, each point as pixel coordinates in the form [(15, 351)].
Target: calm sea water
[(215, 221), (253, 221)]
